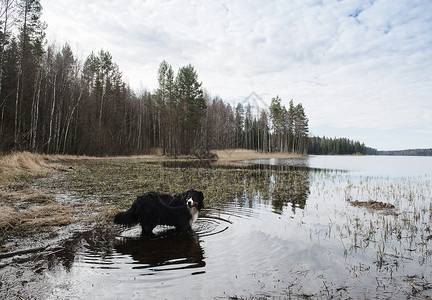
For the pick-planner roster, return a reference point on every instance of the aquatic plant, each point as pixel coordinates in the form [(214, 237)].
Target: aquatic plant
[(120, 181)]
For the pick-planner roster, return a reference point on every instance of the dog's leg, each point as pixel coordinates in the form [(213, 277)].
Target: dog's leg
[(147, 231), (184, 228)]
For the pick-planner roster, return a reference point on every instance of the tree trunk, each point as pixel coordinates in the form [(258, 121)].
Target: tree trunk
[(48, 143), (35, 112)]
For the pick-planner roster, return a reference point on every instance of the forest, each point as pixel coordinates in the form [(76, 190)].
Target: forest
[(338, 146), (51, 102), (408, 152)]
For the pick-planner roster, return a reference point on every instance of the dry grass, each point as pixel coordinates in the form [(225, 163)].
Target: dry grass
[(8, 217), (234, 155), (22, 194), (53, 214), (22, 207), (372, 204), (104, 215), (25, 209), (23, 162)]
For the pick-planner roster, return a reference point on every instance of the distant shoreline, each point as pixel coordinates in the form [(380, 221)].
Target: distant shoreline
[(407, 152), (37, 163), (233, 155)]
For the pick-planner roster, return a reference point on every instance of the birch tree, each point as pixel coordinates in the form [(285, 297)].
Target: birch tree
[(31, 40)]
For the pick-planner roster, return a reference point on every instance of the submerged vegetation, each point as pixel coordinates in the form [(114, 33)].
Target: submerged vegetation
[(120, 181), (395, 225)]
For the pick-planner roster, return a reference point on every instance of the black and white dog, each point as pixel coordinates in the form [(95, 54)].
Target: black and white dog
[(154, 208)]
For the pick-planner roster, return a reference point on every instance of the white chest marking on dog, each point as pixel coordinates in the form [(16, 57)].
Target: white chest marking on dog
[(192, 210), (194, 213)]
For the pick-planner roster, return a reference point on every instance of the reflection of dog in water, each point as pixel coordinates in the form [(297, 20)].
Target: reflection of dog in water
[(153, 208), (173, 250)]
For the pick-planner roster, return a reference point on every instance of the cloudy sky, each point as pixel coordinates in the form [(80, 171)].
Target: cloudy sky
[(361, 68)]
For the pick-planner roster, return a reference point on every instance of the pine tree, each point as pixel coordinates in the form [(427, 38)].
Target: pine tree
[(301, 130), (278, 115), (166, 107), (191, 106)]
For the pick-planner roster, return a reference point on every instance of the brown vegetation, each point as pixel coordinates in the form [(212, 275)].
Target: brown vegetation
[(246, 154), (372, 204), (23, 162), (25, 209)]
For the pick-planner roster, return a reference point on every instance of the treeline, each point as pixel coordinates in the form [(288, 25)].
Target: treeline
[(51, 102), (337, 146), (408, 152), (186, 120)]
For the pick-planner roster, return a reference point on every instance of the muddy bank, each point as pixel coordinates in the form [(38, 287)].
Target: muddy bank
[(34, 224), (26, 212)]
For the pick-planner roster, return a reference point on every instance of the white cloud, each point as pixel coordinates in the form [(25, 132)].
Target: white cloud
[(353, 64)]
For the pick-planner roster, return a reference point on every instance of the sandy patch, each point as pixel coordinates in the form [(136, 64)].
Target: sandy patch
[(232, 155)]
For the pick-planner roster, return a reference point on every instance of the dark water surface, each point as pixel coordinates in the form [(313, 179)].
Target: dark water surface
[(314, 243)]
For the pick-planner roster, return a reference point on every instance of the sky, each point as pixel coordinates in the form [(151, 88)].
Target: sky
[(362, 69)]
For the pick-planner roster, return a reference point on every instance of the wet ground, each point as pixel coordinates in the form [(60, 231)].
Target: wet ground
[(279, 232)]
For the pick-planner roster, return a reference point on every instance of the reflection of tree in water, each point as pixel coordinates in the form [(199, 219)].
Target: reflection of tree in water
[(293, 188), (281, 185)]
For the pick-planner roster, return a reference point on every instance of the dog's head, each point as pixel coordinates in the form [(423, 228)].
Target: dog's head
[(194, 199)]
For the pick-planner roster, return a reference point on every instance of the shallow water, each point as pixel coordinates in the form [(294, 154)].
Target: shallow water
[(307, 240)]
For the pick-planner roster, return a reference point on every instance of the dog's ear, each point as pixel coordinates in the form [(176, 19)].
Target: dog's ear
[(188, 194)]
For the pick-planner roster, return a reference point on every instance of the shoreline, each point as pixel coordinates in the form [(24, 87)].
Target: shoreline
[(225, 155), (40, 164), (236, 155), (19, 169)]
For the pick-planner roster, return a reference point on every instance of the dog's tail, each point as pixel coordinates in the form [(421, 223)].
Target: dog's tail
[(127, 218)]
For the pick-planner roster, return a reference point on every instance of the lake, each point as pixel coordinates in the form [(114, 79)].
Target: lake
[(393, 166), (275, 228)]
